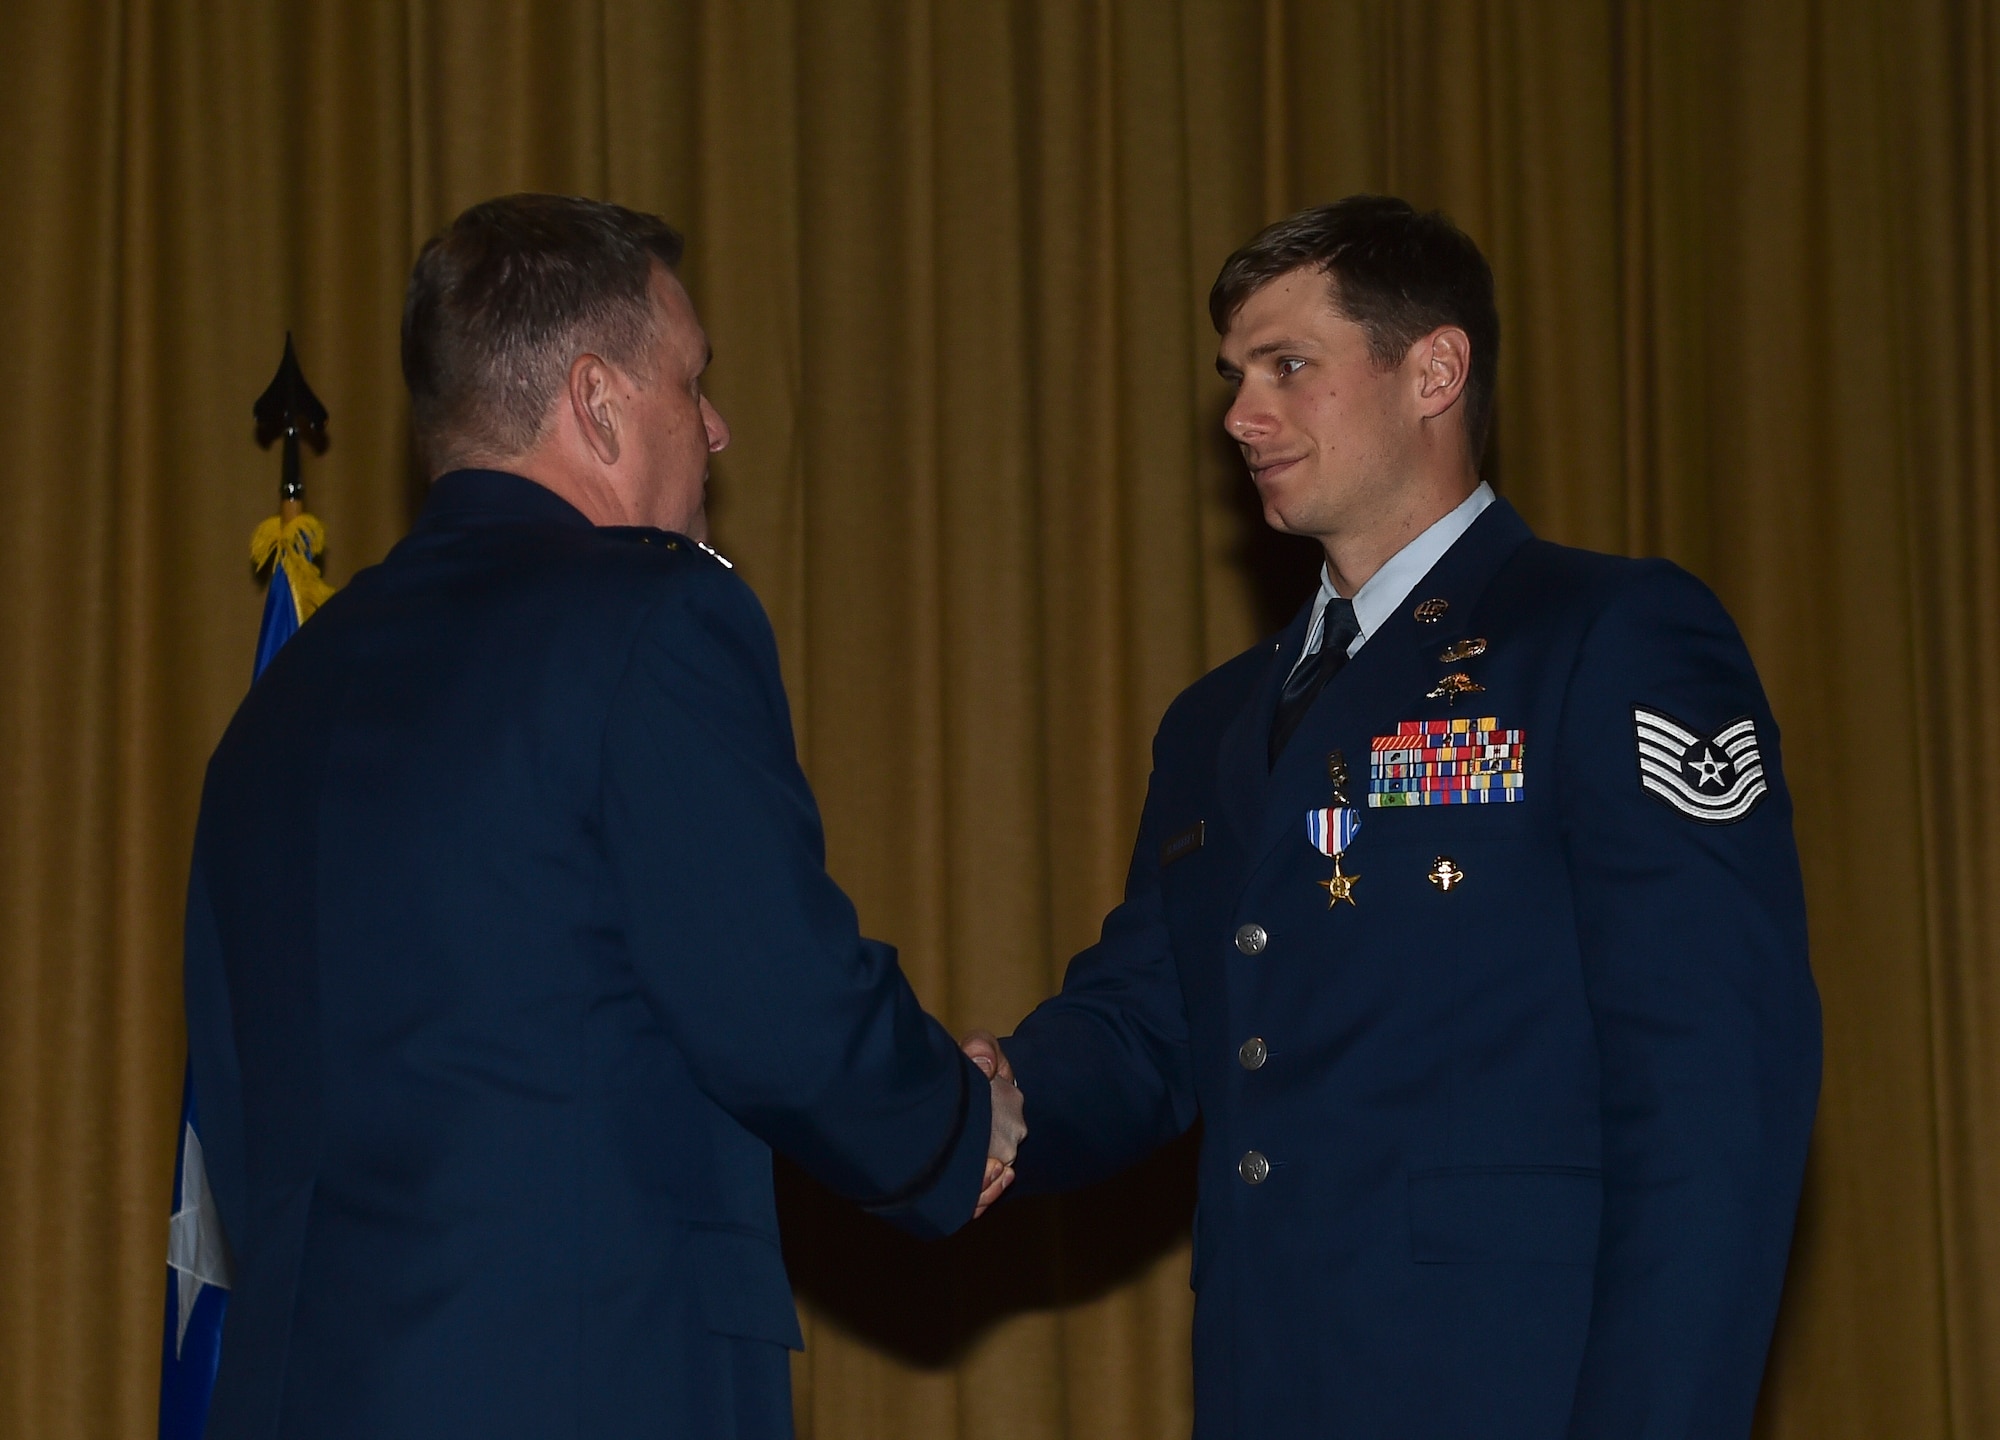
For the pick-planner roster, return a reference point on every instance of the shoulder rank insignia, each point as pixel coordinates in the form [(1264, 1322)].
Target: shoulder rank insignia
[(1715, 779), (714, 554), (1446, 762)]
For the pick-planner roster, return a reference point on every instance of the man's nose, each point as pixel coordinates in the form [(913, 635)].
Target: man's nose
[(1244, 420), (715, 425)]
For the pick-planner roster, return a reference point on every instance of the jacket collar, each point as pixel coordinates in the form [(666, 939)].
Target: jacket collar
[(1393, 671), (474, 497)]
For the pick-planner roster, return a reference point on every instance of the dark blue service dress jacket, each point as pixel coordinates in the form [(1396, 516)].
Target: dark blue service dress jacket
[(511, 955), (1509, 1143)]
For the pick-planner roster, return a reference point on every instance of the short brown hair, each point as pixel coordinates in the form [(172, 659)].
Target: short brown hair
[(1397, 272), (506, 298)]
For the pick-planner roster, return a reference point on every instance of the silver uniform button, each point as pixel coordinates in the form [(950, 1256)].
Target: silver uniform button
[(1251, 939), (1253, 1167), (1252, 1053)]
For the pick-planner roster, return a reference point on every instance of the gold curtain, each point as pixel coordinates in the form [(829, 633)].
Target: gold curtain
[(953, 259)]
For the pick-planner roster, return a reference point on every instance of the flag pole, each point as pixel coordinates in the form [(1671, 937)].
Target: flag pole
[(291, 541), (198, 1261)]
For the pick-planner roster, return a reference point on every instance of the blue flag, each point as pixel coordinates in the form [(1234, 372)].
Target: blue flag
[(197, 1288), (281, 618), (197, 1256)]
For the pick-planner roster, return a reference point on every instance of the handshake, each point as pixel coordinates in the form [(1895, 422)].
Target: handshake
[(1010, 1125)]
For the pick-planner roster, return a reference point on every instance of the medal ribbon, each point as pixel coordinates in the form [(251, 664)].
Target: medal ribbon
[(1333, 829)]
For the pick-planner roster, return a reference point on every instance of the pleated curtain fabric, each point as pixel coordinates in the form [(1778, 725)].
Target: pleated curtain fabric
[(953, 257)]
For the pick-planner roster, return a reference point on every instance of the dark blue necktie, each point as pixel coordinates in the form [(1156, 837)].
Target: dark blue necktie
[(1338, 627)]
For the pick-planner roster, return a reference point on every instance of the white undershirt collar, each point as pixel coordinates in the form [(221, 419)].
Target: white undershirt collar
[(1391, 585)]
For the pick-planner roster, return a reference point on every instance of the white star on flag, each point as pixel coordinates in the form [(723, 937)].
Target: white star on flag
[(195, 1250)]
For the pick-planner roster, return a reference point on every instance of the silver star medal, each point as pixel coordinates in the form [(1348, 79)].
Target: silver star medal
[(195, 1250)]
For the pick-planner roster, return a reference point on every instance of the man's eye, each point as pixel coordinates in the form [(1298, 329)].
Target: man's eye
[(1291, 365)]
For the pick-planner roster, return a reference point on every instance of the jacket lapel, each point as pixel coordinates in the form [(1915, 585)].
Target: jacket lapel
[(1243, 766), (1393, 673)]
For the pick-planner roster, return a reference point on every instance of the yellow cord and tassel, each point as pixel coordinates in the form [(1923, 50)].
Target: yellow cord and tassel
[(295, 543)]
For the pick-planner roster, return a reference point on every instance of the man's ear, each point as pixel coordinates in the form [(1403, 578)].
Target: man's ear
[(1444, 362), (593, 406)]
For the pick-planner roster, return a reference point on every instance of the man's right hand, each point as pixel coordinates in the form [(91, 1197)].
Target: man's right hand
[(1010, 1124)]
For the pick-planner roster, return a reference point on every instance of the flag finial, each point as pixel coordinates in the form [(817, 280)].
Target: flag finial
[(289, 408)]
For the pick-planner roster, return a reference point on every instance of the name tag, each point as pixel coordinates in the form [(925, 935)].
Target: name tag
[(1184, 844)]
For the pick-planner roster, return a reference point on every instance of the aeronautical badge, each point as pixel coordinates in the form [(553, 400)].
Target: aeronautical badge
[(1716, 779), (1454, 685)]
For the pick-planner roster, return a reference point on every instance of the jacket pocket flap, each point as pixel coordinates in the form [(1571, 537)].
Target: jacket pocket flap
[(1541, 1214), (744, 1288)]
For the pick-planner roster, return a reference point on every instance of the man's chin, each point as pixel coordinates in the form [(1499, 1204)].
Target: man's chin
[(1275, 516)]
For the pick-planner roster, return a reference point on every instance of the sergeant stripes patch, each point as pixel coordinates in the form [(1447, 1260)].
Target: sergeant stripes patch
[(1715, 779), (1446, 762)]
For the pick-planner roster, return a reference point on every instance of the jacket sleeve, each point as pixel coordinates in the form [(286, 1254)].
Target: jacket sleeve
[(805, 1032), (1692, 931), (1104, 1066)]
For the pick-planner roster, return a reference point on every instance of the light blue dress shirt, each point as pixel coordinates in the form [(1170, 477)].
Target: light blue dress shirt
[(1390, 586)]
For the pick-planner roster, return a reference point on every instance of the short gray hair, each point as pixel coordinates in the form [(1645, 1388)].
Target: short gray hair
[(503, 301)]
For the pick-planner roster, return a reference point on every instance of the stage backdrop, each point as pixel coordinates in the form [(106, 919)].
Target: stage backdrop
[(953, 257)]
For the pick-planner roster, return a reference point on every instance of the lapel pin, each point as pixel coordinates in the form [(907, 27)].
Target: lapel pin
[(1463, 649), (1429, 612), (1454, 685), (1444, 873)]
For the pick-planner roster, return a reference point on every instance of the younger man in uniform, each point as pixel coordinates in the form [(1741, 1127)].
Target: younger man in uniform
[(1465, 914)]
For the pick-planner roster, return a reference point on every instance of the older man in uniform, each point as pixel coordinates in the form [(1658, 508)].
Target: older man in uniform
[(1466, 916), (511, 953)]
